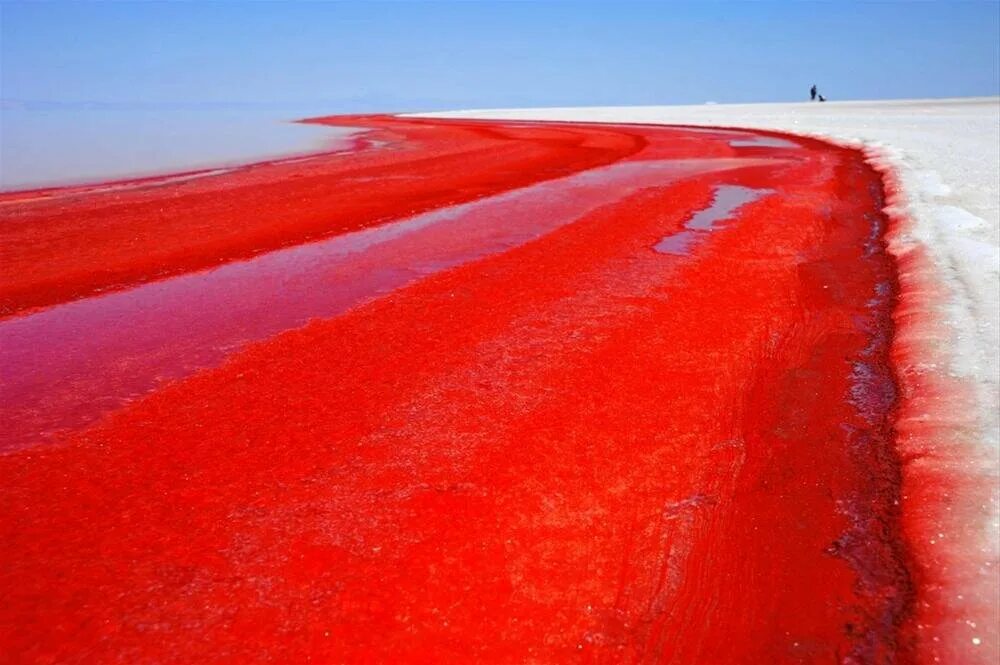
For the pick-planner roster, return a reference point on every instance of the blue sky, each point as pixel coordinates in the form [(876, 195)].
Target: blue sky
[(346, 57)]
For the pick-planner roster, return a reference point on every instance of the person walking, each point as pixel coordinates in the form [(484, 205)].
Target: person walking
[(812, 93)]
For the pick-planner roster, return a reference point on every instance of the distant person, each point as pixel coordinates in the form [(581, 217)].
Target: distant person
[(812, 93), (822, 98)]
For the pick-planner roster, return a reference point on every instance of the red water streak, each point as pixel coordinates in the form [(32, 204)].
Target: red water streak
[(105, 351), (576, 449), (56, 248), (101, 352)]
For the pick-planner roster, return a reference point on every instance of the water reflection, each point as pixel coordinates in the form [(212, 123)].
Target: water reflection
[(726, 201)]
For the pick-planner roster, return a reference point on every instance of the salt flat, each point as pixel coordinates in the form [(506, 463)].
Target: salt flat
[(629, 389)]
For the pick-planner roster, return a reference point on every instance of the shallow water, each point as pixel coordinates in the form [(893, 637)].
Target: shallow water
[(764, 142), (726, 201), (71, 145)]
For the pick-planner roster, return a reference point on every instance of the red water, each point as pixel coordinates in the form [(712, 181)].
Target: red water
[(103, 351), (510, 432)]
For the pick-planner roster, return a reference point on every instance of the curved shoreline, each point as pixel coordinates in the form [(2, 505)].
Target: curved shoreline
[(777, 331), (938, 184)]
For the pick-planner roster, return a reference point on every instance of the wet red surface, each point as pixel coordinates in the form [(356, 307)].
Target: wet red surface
[(533, 437), (93, 239)]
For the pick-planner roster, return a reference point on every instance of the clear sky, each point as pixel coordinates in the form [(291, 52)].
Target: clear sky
[(345, 57)]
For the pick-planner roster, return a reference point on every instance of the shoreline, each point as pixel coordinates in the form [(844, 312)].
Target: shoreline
[(940, 197), (939, 424)]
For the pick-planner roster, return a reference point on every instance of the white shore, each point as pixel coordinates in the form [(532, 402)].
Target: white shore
[(946, 154)]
